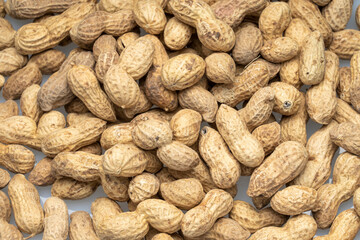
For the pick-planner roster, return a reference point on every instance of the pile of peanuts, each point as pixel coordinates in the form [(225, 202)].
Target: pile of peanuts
[(169, 120)]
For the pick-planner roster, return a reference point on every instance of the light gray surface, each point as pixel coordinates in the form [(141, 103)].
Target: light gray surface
[(84, 205)]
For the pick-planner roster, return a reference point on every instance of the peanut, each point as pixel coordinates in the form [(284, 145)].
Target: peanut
[(8, 34), (345, 135), (29, 216), (344, 86), (143, 187), (16, 158), (2, 81), (162, 236), (269, 135), (177, 34), (356, 201), (11, 61), (9, 231), (76, 106), (355, 81), (150, 15), (81, 227), (345, 113), (252, 220), (94, 148), (68, 188), (119, 133), (48, 61), (56, 223), (220, 68), (337, 13), (114, 5), (286, 98), (28, 103), (8, 109), (5, 207), (345, 43), (185, 126), (330, 196), (115, 188), (280, 49), (42, 174), (50, 122)]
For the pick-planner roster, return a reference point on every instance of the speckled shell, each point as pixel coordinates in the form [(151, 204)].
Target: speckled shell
[(343, 89), (299, 227), (346, 135), (50, 122), (143, 187), (25, 201), (280, 49), (321, 152), (345, 43), (355, 81), (81, 79), (73, 137), (226, 228), (9, 231), (151, 134), (116, 188), (111, 223), (287, 98), (28, 103), (5, 207), (8, 34), (321, 99), (137, 57), (312, 59), (259, 108), (283, 165), (345, 113), (161, 215), (249, 42), (16, 158), (220, 68), (294, 200), (120, 133), (149, 15), (345, 182), (76, 106), (269, 135), (50, 32), (356, 200), (4, 178), (224, 168), (178, 156), (185, 125), (252, 220), (254, 77), (182, 71), (81, 227), (274, 19), (199, 99), (56, 221), (297, 30), (124, 160), (8, 109), (93, 148), (142, 105), (42, 174), (11, 61), (311, 15), (70, 189), (197, 221), (337, 13), (177, 34), (245, 147), (48, 61), (80, 166), (183, 193)]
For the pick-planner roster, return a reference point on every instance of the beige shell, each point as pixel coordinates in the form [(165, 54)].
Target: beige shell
[(355, 81), (345, 135), (299, 227), (151, 134), (182, 71), (114, 5), (337, 13), (56, 221), (183, 193), (142, 105), (81, 227), (185, 126), (5, 207), (245, 147), (283, 165), (25, 201), (48, 61), (177, 34), (119, 133), (16, 158), (252, 220), (224, 168), (124, 160), (280, 49), (126, 39), (294, 200), (50, 122), (249, 42), (287, 98), (8, 109), (269, 135), (226, 228), (298, 30), (9, 231), (70, 189), (345, 43), (178, 156), (116, 188), (343, 89), (149, 15), (345, 113), (161, 215), (4, 178), (312, 59), (28, 103), (11, 61), (356, 201), (143, 187), (8, 34), (42, 174), (220, 68)]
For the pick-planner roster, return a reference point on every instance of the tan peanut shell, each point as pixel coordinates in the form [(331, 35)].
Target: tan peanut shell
[(177, 34), (142, 105), (16, 158), (345, 113), (183, 193), (312, 59), (226, 228), (199, 99), (345, 43), (93, 148), (343, 89), (337, 13), (70, 189), (220, 68), (249, 42), (76, 106), (345, 135), (252, 220), (356, 201), (254, 77), (280, 49), (116, 188), (299, 227), (8, 109), (274, 19), (29, 215), (286, 98), (28, 103), (269, 135), (111, 223), (286, 162), (197, 221), (355, 81), (11, 61), (119, 133), (50, 122), (311, 15), (81, 227), (319, 109), (150, 15), (42, 174), (56, 221), (124, 160), (162, 236), (126, 39), (345, 182), (114, 5), (9, 231), (48, 61), (47, 34), (8, 34), (185, 126), (321, 150), (245, 147), (5, 207), (143, 187), (161, 215), (2, 81), (224, 168), (4, 178)]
